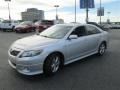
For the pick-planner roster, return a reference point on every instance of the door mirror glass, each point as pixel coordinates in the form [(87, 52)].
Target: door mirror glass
[(73, 37)]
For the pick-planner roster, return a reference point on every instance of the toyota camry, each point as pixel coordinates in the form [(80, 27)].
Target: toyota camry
[(55, 47)]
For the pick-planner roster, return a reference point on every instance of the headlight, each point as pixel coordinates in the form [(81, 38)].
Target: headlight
[(31, 53)]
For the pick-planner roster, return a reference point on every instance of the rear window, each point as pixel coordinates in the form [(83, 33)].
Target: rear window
[(47, 22), (26, 23)]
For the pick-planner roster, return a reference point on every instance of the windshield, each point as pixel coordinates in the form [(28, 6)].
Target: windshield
[(56, 31), (45, 22), (26, 23), (6, 21)]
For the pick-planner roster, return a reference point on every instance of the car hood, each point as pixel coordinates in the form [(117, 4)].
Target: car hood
[(34, 41)]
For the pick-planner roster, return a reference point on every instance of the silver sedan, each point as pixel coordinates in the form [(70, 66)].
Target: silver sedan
[(56, 46)]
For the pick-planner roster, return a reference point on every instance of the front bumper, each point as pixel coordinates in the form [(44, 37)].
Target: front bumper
[(6, 27), (27, 69), (20, 30), (27, 66)]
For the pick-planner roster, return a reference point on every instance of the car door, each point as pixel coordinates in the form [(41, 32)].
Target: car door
[(77, 47), (93, 38)]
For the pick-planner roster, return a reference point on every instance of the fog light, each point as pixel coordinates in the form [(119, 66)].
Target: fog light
[(26, 70), (23, 68)]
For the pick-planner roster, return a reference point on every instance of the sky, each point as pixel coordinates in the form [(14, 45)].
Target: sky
[(65, 10)]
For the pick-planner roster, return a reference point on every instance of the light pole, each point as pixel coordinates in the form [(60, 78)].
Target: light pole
[(9, 9), (75, 11), (108, 20), (87, 12), (100, 12), (56, 6)]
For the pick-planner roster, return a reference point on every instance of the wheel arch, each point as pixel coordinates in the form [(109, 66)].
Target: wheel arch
[(104, 43), (58, 53)]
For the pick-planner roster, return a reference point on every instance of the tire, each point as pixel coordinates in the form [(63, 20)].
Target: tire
[(17, 31), (4, 30), (13, 28), (52, 64), (102, 49)]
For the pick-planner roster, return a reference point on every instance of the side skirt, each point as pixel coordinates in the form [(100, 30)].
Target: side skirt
[(76, 59)]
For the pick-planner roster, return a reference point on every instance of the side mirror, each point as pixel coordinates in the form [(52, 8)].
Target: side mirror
[(73, 37)]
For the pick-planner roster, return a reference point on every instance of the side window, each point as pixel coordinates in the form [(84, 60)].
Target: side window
[(79, 31), (92, 30)]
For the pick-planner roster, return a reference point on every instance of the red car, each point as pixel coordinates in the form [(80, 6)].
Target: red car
[(44, 24), (27, 26)]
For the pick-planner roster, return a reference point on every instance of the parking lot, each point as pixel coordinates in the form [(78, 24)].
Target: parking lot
[(92, 73)]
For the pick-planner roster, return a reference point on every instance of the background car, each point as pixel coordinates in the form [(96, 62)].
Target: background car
[(115, 26), (106, 26), (0, 22), (27, 26), (8, 25), (44, 24), (94, 23)]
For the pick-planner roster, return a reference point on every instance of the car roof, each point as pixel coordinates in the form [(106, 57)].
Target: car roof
[(78, 24), (75, 24), (70, 24)]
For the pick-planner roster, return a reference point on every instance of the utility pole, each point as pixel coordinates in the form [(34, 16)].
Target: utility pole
[(87, 12), (9, 9), (100, 12), (75, 11), (108, 20), (56, 6)]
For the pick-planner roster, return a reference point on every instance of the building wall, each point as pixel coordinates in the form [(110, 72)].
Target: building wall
[(32, 14)]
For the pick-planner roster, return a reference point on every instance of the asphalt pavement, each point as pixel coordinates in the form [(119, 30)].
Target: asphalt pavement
[(91, 73)]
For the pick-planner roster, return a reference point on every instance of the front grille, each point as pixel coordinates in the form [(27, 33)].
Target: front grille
[(14, 52)]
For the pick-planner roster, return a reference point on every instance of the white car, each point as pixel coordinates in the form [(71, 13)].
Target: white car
[(115, 26), (8, 25), (107, 26), (0, 22), (56, 46)]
